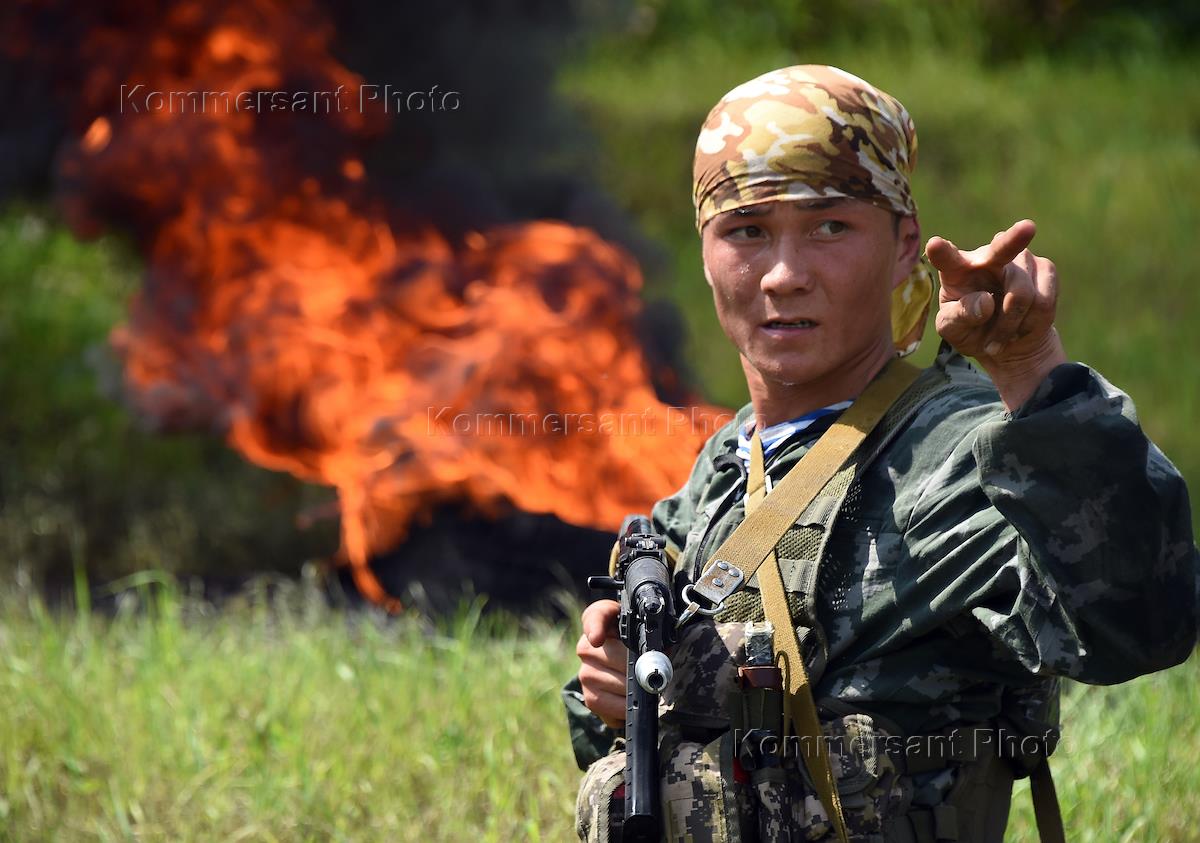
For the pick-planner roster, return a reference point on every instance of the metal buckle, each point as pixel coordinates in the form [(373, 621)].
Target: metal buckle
[(719, 580)]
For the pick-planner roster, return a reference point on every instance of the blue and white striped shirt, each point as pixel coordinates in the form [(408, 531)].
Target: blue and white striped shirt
[(773, 436)]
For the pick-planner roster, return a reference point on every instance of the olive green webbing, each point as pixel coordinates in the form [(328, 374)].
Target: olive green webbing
[(800, 711), (767, 519)]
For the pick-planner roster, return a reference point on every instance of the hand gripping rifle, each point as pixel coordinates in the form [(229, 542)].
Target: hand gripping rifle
[(647, 627)]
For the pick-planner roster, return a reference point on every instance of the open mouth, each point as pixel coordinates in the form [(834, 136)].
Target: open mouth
[(779, 325)]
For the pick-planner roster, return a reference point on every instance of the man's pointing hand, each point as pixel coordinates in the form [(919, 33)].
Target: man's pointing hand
[(997, 304)]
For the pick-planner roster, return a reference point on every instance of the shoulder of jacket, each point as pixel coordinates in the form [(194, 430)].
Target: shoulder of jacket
[(965, 400), (724, 441)]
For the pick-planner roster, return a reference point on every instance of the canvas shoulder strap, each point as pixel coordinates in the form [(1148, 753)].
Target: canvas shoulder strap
[(753, 543), (799, 708), (1046, 812)]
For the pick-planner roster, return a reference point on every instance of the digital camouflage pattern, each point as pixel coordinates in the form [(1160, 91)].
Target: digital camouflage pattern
[(981, 553), (706, 659), (701, 805), (596, 805), (814, 132)]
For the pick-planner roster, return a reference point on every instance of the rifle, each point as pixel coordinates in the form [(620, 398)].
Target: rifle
[(647, 626)]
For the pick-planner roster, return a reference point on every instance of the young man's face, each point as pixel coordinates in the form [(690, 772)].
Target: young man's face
[(828, 265)]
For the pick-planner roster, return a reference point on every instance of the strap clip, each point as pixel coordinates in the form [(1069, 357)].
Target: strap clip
[(719, 580)]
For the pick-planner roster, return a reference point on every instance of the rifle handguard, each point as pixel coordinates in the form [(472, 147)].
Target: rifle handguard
[(647, 625)]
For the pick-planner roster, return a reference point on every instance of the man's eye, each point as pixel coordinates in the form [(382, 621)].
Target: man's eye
[(745, 232), (829, 227)]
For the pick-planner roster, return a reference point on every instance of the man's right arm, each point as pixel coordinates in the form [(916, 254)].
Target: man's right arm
[(595, 698), (1066, 533)]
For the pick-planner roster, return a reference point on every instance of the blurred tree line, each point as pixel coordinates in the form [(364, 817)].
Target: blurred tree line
[(995, 30)]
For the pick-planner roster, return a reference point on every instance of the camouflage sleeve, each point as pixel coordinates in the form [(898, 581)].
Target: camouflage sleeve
[(590, 738), (1099, 580)]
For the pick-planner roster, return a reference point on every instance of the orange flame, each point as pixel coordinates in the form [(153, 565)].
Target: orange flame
[(329, 338)]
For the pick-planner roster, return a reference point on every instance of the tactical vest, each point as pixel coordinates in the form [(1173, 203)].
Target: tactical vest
[(890, 794)]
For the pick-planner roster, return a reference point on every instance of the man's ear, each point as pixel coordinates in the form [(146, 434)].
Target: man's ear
[(707, 275), (908, 235)]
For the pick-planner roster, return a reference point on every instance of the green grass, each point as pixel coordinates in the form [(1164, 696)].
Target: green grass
[(279, 720), (1125, 770)]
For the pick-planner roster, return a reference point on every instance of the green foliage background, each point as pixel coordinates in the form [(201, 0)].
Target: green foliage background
[(81, 485), (1100, 145)]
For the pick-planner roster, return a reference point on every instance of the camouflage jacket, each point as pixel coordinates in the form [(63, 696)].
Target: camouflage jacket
[(979, 551)]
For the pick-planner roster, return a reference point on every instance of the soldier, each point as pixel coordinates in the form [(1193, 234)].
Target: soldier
[(992, 534)]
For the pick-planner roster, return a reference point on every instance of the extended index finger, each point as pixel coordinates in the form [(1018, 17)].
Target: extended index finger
[(1005, 246)]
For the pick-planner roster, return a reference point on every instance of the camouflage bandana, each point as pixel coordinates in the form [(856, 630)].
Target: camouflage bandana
[(814, 132)]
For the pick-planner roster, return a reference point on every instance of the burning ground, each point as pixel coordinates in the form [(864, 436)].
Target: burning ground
[(315, 317)]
